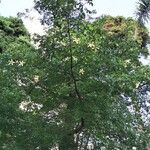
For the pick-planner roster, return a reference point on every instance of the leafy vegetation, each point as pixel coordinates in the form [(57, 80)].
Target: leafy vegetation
[(16, 49), (143, 11), (81, 87)]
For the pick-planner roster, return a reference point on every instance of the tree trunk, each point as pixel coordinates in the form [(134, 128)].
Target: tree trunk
[(68, 143)]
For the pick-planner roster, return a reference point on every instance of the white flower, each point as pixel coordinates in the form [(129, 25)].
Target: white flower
[(92, 45), (21, 63), (133, 148), (4, 71), (76, 40), (20, 83), (75, 58), (36, 78), (103, 148), (63, 105), (66, 59), (127, 61), (137, 84), (81, 71), (11, 62)]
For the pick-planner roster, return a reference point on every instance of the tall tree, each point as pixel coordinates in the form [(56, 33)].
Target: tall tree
[(143, 11), (79, 87), (87, 71), (16, 51)]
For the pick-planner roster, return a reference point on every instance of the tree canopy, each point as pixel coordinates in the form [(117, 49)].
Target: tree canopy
[(80, 88), (143, 11)]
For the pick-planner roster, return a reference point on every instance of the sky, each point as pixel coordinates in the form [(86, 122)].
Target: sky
[(108, 7), (11, 7), (112, 7), (116, 7)]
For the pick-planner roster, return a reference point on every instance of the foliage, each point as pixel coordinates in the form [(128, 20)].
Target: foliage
[(143, 11), (16, 51), (79, 88), (87, 71)]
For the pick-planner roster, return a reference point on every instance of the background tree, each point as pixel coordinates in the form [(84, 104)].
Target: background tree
[(143, 10), (16, 53)]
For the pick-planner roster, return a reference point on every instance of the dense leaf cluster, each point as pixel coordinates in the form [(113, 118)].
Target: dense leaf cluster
[(79, 88)]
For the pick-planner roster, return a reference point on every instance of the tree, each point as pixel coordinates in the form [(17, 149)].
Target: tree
[(79, 87), (143, 10), (86, 73), (16, 52)]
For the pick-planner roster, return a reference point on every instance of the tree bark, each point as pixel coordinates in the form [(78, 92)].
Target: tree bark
[(68, 143)]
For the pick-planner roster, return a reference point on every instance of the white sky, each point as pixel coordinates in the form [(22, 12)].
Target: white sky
[(112, 7), (116, 7), (108, 7), (11, 7)]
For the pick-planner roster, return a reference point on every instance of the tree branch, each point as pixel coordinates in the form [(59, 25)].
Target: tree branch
[(71, 63)]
